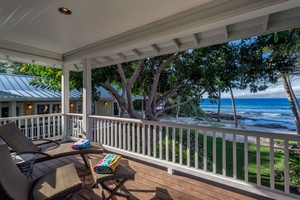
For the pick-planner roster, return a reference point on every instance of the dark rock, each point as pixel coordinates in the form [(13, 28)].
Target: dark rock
[(223, 116), (272, 126), (199, 118), (293, 146)]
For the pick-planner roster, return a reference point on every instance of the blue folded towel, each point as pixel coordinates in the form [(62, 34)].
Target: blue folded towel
[(81, 144)]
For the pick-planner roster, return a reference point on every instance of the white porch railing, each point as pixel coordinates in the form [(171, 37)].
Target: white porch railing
[(75, 125), (207, 152), (47, 126), (218, 154), (38, 126)]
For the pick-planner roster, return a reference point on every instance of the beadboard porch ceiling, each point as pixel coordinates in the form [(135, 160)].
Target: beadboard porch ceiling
[(116, 31)]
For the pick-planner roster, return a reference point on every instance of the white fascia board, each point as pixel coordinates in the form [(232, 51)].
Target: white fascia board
[(11, 49)]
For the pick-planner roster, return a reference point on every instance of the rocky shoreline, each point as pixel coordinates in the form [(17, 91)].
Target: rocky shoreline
[(227, 121), (230, 117)]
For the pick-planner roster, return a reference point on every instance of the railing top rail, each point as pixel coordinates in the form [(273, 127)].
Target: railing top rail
[(29, 117), (74, 114)]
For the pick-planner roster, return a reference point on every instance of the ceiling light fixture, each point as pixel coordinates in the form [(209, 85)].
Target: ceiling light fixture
[(65, 11)]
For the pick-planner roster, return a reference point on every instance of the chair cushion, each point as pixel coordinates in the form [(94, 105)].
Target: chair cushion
[(59, 183), (65, 149)]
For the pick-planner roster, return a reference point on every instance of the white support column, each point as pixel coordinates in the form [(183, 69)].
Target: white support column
[(12, 109), (87, 98), (65, 99)]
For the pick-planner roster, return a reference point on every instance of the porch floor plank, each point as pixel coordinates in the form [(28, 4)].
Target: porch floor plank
[(150, 182)]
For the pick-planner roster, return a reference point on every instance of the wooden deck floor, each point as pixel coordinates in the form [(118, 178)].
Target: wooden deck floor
[(150, 183)]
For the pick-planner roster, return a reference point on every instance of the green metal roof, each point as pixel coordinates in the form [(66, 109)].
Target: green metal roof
[(16, 86)]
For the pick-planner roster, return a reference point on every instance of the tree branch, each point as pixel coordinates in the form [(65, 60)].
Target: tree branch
[(136, 73), (115, 94), (168, 93), (123, 79), (178, 104), (157, 75)]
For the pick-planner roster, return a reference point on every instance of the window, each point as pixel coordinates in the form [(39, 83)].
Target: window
[(116, 108), (56, 108), (43, 109), (4, 112), (18, 111), (79, 108)]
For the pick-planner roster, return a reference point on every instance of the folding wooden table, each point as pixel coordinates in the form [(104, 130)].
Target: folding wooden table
[(119, 177)]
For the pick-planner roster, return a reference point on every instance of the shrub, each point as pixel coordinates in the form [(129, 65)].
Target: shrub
[(294, 171)]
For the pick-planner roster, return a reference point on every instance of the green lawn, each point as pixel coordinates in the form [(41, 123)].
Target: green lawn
[(252, 167)]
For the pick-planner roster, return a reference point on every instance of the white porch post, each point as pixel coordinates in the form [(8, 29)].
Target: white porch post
[(87, 98), (12, 109), (65, 100)]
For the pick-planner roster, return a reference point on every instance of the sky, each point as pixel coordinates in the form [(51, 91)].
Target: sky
[(272, 88)]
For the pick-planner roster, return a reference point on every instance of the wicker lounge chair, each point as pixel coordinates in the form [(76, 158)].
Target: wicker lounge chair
[(62, 182), (18, 142)]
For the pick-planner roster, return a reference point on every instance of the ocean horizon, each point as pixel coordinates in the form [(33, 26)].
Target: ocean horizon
[(257, 111)]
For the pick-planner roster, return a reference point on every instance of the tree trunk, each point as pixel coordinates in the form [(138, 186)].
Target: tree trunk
[(291, 102), (150, 104), (234, 110), (293, 94), (122, 111), (178, 109), (148, 112), (219, 106)]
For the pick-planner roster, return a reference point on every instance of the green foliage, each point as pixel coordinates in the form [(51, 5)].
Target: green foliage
[(50, 78), (294, 171), (283, 50), (44, 77), (187, 110), (3, 66), (252, 165), (185, 75), (192, 150), (253, 64), (7, 66), (137, 104)]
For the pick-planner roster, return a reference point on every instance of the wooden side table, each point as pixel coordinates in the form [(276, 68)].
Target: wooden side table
[(119, 177)]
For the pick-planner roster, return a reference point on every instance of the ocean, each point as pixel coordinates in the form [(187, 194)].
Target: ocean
[(257, 111)]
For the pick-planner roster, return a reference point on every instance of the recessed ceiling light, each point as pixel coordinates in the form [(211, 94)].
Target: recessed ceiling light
[(65, 11)]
